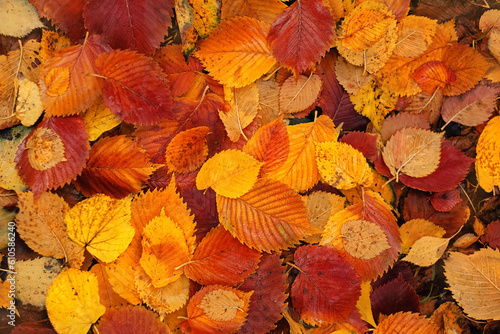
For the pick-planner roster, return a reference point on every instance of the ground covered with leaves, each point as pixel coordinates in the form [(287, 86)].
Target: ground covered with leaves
[(249, 166)]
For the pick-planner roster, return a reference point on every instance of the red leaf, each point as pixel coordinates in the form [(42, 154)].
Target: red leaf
[(268, 299), (66, 14), (492, 236), (334, 100), (131, 319), (327, 287), (445, 200), (117, 166), (395, 296), (136, 89), (221, 259), (155, 138), (302, 34), (40, 161), (433, 74), (452, 169), (138, 25), (417, 205), (364, 142), (399, 268)]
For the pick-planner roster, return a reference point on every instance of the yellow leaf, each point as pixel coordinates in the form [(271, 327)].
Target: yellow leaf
[(298, 94), (415, 34), (342, 166), (474, 281), (368, 36), (205, 16), (109, 297), (6, 217), (236, 53), (300, 170), (41, 225), (168, 298), (29, 104), (164, 248), (427, 250), (73, 302), (321, 205), (9, 177), (363, 239), (269, 95), (99, 119), (229, 173), (18, 18), (51, 42), (488, 159), (263, 10), (415, 229), (101, 224), (221, 305), (364, 305), (414, 152), (244, 103), (375, 102)]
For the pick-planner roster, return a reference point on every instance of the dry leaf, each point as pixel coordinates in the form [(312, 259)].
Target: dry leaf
[(109, 297), (73, 302), (473, 279), (99, 119), (9, 176), (321, 205), (415, 229), (363, 239), (351, 77), (268, 100), (414, 152), (131, 319), (342, 166), (29, 105), (465, 240), (188, 150), (427, 250), (298, 94), (18, 18), (415, 34), (408, 323), (262, 10), (488, 159), (229, 173), (364, 305)]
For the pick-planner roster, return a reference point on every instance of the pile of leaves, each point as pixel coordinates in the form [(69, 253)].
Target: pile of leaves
[(316, 166)]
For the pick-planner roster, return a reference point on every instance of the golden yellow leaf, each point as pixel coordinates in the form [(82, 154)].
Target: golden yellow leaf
[(236, 53), (73, 302), (221, 305), (363, 239), (368, 36), (474, 281), (9, 177), (99, 119), (101, 224), (300, 170), (375, 102), (166, 299), (415, 229), (427, 250), (244, 103), (164, 248), (29, 104), (51, 42), (342, 166), (205, 16), (298, 94), (109, 297), (415, 34), (364, 305), (57, 81), (41, 225), (493, 43), (414, 152), (263, 10), (18, 18), (478, 226), (269, 94), (321, 205), (379, 185), (7, 298), (488, 159), (229, 173)]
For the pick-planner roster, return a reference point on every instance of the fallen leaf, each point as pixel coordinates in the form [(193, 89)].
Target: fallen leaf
[(29, 104), (9, 176), (108, 296), (427, 250), (434, 75), (298, 94), (262, 10), (394, 123), (415, 34), (188, 150), (445, 200), (99, 119), (131, 319), (488, 161), (410, 323), (363, 239), (206, 16), (473, 282), (492, 235), (321, 205), (18, 18), (414, 229)]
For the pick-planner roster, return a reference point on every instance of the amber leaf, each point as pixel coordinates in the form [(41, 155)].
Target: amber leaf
[(188, 150), (131, 319), (488, 160), (298, 94), (410, 323)]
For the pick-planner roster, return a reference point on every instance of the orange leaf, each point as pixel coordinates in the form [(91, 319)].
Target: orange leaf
[(300, 170), (236, 53), (488, 160), (270, 145), (270, 217), (217, 308), (135, 88), (131, 319), (302, 34), (108, 296), (221, 259), (262, 10), (188, 150), (374, 210), (53, 153), (117, 166), (298, 94), (408, 323), (66, 84), (433, 75)]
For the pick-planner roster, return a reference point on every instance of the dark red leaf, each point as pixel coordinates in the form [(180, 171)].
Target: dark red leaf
[(302, 34), (445, 200), (268, 299), (131, 319), (364, 142), (334, 100), (492, 236), (399, 268), (394, 296), (137, 25), (327, 287), (136, 89)]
